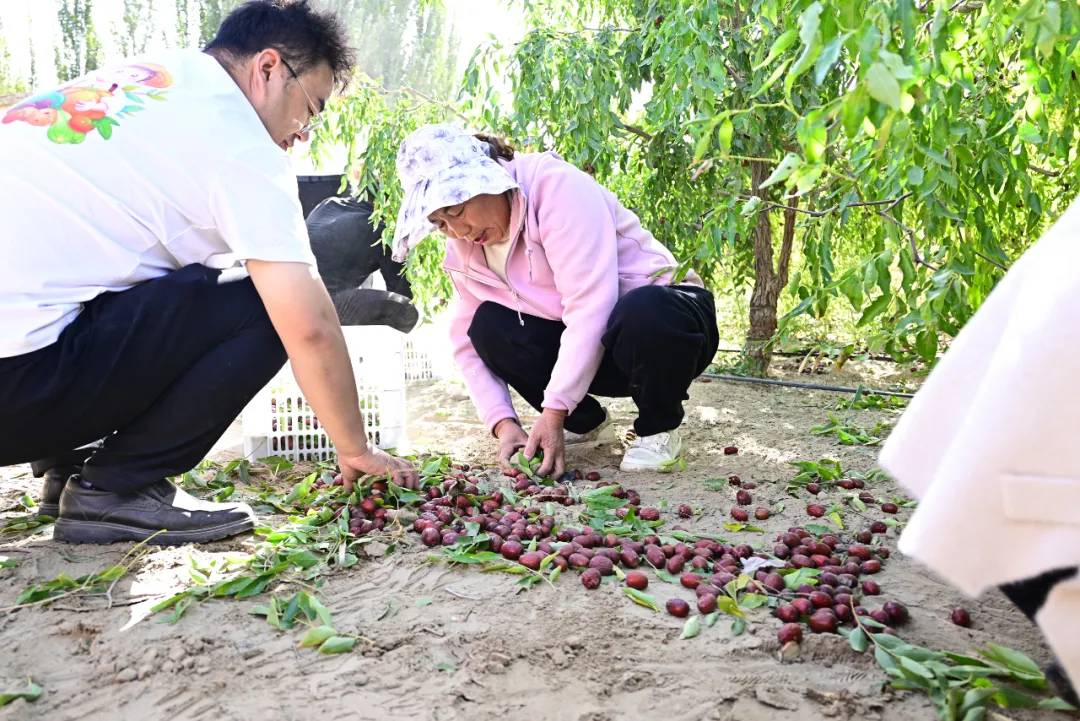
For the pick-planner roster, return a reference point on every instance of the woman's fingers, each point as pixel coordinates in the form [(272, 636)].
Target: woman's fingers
[(532, 445)]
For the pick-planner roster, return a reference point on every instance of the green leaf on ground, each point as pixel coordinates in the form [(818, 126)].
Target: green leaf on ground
[(337, 644), (692, 627)]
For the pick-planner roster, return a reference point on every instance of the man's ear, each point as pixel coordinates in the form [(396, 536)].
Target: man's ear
[(263, 67)]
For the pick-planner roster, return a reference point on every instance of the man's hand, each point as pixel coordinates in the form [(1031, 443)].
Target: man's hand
[(512, 438), (547, 435), (376, 462)]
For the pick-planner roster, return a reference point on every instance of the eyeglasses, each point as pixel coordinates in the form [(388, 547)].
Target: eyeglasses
[(316, 117)]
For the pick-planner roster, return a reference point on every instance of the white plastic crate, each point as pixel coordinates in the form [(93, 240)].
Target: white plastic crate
[(427, 352), (279, 422), (418, 367)]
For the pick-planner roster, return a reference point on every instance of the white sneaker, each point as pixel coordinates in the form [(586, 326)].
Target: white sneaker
[(603, 433), (652, 453)]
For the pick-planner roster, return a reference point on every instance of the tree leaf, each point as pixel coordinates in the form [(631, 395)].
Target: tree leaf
[(835, 518), (878, 306), (753, 600), (426, 601), (316, 636), (642, 599), (727, 130), (856, 106), (859, 640), (829, 55), (727, 605), (738, 626), (882, 86), (1029, 134), (784, 170), (692, 627), (782, 43), (750, 205), (712, 618), (926, 345), (1011, 658), (337, 644), (884, 659), (1009, 697), (30, 693), (915, 667)]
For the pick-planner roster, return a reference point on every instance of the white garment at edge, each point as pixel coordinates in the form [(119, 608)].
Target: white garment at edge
[(127, 174), (991, 443)]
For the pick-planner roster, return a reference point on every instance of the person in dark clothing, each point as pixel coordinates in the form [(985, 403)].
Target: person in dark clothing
[(348, 250), (170, 276), (314, 189)]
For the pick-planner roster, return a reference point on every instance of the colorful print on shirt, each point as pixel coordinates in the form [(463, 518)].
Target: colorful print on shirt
[(91, 103)]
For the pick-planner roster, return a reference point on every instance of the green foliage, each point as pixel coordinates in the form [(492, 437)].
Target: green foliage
[(138, 27), (371, 122), (9, 82), (847, 433), (913, 151), (80, 49), (960, 686), (211, 13), (30, 693), (403, 43)]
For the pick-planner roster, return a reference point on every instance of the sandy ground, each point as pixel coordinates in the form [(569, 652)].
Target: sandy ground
[(560, 653)]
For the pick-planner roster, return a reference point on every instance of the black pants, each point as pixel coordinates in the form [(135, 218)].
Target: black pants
[(158, 371), (658, 339), (1030, 594)]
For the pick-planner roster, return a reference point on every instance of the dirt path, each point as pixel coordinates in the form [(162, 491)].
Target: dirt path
[(479, 649)]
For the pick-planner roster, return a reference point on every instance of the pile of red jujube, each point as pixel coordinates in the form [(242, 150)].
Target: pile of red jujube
[(459, 500), (705, 567), (837, 598), (367, 516)]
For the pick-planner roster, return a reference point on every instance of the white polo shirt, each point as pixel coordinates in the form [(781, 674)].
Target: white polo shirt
[(127, 174)]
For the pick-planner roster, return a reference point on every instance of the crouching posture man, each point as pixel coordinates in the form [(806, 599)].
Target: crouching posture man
[(157, 272)]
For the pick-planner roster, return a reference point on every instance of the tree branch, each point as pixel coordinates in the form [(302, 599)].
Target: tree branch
[(911, 238), (891, 202), (991, 261), (1043, 171), (634, 129), (786, 245)]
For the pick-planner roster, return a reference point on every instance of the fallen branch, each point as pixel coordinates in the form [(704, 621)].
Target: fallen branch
[(452, 592)]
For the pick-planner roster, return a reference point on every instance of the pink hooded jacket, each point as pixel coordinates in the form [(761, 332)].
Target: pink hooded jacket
[(575, 250)]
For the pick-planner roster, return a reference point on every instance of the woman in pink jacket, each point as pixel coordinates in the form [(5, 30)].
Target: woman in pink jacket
[(562, 296)]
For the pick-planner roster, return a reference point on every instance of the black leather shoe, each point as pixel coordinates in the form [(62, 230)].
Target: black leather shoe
[(89, 515), (1060, 684), (51, 490)]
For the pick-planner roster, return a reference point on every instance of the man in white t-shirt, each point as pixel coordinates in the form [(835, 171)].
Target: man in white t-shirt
[(156, 271)]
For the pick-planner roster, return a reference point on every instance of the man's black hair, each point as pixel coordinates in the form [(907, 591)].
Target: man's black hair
[(304, 35)]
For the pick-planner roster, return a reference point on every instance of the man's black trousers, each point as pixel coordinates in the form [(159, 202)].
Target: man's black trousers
[(158, 371), (658, 339)]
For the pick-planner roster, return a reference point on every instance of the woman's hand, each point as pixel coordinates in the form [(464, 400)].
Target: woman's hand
[(512, 438), (547, 435), (376, 462)]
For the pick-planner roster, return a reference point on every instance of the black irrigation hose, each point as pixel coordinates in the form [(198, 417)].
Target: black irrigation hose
[(803, 353), (811, 386)]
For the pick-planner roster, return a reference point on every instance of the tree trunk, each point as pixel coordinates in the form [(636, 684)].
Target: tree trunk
[(768, 281)]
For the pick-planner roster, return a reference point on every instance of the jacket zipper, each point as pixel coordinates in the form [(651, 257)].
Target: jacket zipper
[(517, 297)]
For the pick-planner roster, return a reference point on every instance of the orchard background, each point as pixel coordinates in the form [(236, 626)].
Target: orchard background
[(851, 179)]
